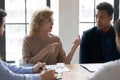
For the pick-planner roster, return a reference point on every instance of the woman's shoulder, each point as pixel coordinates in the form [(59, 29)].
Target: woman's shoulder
[(28, 37), (55, 38)]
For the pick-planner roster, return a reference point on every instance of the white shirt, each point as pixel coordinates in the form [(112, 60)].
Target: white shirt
[(110, 71)]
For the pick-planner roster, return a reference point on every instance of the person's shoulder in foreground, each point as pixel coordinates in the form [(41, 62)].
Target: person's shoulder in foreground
[(12, 72), (110, 71)]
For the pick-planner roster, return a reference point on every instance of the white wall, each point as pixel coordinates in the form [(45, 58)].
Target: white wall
[(69, 25)]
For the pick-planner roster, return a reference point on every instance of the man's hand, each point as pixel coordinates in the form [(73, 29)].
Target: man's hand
[(38, 67), (48, 75)]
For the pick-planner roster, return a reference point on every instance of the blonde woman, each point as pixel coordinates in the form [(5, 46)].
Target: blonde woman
[(12, 72), (42, 46)]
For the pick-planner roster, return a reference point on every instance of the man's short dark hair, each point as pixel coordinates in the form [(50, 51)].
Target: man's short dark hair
[(107, 7), (2, 14), (117, 27)]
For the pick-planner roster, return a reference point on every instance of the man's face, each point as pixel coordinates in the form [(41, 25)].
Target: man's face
[(2, 28), (102, 19), (118, 42)]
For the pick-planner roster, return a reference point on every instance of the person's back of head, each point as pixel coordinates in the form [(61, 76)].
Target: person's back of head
[(117, 27), (2, 14), (117, 31), (106, 6)]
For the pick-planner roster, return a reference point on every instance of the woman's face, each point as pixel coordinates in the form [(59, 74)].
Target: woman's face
[(48, 25)]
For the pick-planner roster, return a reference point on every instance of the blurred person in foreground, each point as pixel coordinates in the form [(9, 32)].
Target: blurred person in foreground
[(12, 72)]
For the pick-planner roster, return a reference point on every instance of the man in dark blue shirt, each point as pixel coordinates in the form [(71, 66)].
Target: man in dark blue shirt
[(98, 43)]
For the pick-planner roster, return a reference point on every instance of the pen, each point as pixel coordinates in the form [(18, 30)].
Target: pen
[(86, 68), (58, 79), (44, 68)]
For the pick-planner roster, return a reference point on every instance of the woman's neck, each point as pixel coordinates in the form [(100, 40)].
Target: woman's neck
[(44, 35)]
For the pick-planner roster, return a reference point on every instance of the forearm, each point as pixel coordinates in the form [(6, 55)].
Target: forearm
[(38, 57), (71, 53)]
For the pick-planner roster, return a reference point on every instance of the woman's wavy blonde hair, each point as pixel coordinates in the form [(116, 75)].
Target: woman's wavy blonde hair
[(38, 18)]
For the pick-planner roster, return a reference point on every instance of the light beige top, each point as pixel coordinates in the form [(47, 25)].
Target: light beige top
[(33, 44)]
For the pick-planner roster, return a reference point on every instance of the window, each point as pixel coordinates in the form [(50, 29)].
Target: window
[(17, 21), (54, 5)]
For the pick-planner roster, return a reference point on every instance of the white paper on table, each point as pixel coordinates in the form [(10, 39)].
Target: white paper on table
[(92, 67), (55, 67)]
